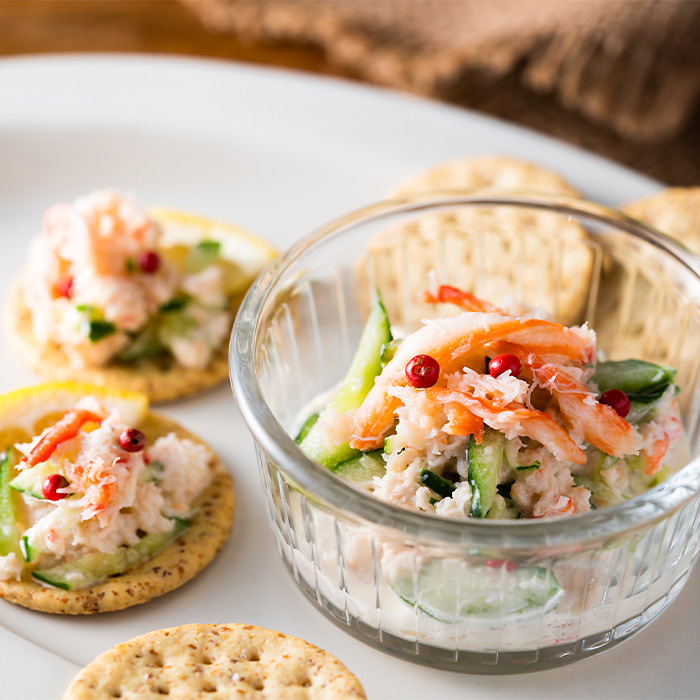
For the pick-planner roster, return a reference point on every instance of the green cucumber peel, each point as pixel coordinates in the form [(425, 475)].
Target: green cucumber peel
[(643, 382), (388, 351), (527, 468), (304, 430), (485, 462), (366, 365), (441, 486), (202, 255), (9, 535)]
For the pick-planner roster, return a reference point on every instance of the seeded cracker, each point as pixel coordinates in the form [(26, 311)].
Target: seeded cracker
[(215, 661), (174, 566), (637, 312), (495, 254)]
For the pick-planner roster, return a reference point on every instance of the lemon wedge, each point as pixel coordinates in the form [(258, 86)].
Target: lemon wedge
[(242, 254), (25, 412)]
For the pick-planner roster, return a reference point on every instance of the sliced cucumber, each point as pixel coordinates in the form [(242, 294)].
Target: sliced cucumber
[(601, 494), (9, 535), (485, 462), (30, 481), (362, 469), (366, 364), (388, 351), (643, 382), (92, 568), (527, 468), (202, 255), (442, 487), (60, 520), (304, 431), (448, 591), (503, 508), (365, 367)]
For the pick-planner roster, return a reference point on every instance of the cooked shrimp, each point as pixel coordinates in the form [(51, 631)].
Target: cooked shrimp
[(453, 342)]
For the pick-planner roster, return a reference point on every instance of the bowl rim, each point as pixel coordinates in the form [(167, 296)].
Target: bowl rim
[(354, 504)]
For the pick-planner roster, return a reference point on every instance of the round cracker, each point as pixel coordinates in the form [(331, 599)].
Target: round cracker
[(538, 258), (174, 566), (161, 379), (635, 320), (674, 211), (499, 172), (222, 661)]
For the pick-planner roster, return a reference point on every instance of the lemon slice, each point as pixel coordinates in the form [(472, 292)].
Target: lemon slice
[(25, 412), (242, 254)]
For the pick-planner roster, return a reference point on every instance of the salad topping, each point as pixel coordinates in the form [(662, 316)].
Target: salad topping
[(100, 284), (487, 414), (90, 486)]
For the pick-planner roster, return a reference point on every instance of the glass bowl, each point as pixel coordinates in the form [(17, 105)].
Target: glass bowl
[(480, 596)]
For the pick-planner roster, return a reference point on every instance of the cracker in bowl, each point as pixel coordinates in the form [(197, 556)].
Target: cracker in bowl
[(103, 504), (139, 301), (497, 253), (216, 660)]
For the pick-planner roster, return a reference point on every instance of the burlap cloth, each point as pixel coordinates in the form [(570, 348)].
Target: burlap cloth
[(619, 76)]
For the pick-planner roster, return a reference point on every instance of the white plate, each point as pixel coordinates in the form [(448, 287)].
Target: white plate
[(280, 153)]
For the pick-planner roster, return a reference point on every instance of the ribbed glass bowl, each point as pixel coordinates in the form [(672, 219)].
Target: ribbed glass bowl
[(586, 582)]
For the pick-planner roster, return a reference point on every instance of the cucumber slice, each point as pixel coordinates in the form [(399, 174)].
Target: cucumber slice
[(502, 508), (601, 494), (388, 351), (30, 481), (442, 487), (9, 535), (643, 382), (367, 363), (485, 462), (92, 568), (61, 519), (362, 469), (202, 255), (527, 468), (365, 367), (449, 591), (308, 424)]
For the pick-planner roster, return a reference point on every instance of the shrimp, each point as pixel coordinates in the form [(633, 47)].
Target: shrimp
[(602, 426), (513, 421), (451, 342)]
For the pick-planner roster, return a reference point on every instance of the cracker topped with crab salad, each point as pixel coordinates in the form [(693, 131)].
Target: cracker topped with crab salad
[(103, 504), (118, 297)]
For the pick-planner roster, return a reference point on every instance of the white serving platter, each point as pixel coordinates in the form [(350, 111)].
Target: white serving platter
[(280, 153)]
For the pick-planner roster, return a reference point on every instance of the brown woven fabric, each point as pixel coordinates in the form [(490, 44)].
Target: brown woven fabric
[(632, 65)]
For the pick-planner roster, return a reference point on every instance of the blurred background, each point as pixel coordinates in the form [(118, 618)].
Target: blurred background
[(621, 78)]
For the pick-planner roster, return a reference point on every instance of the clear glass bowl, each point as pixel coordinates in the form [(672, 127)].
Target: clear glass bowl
[(477, 596)]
